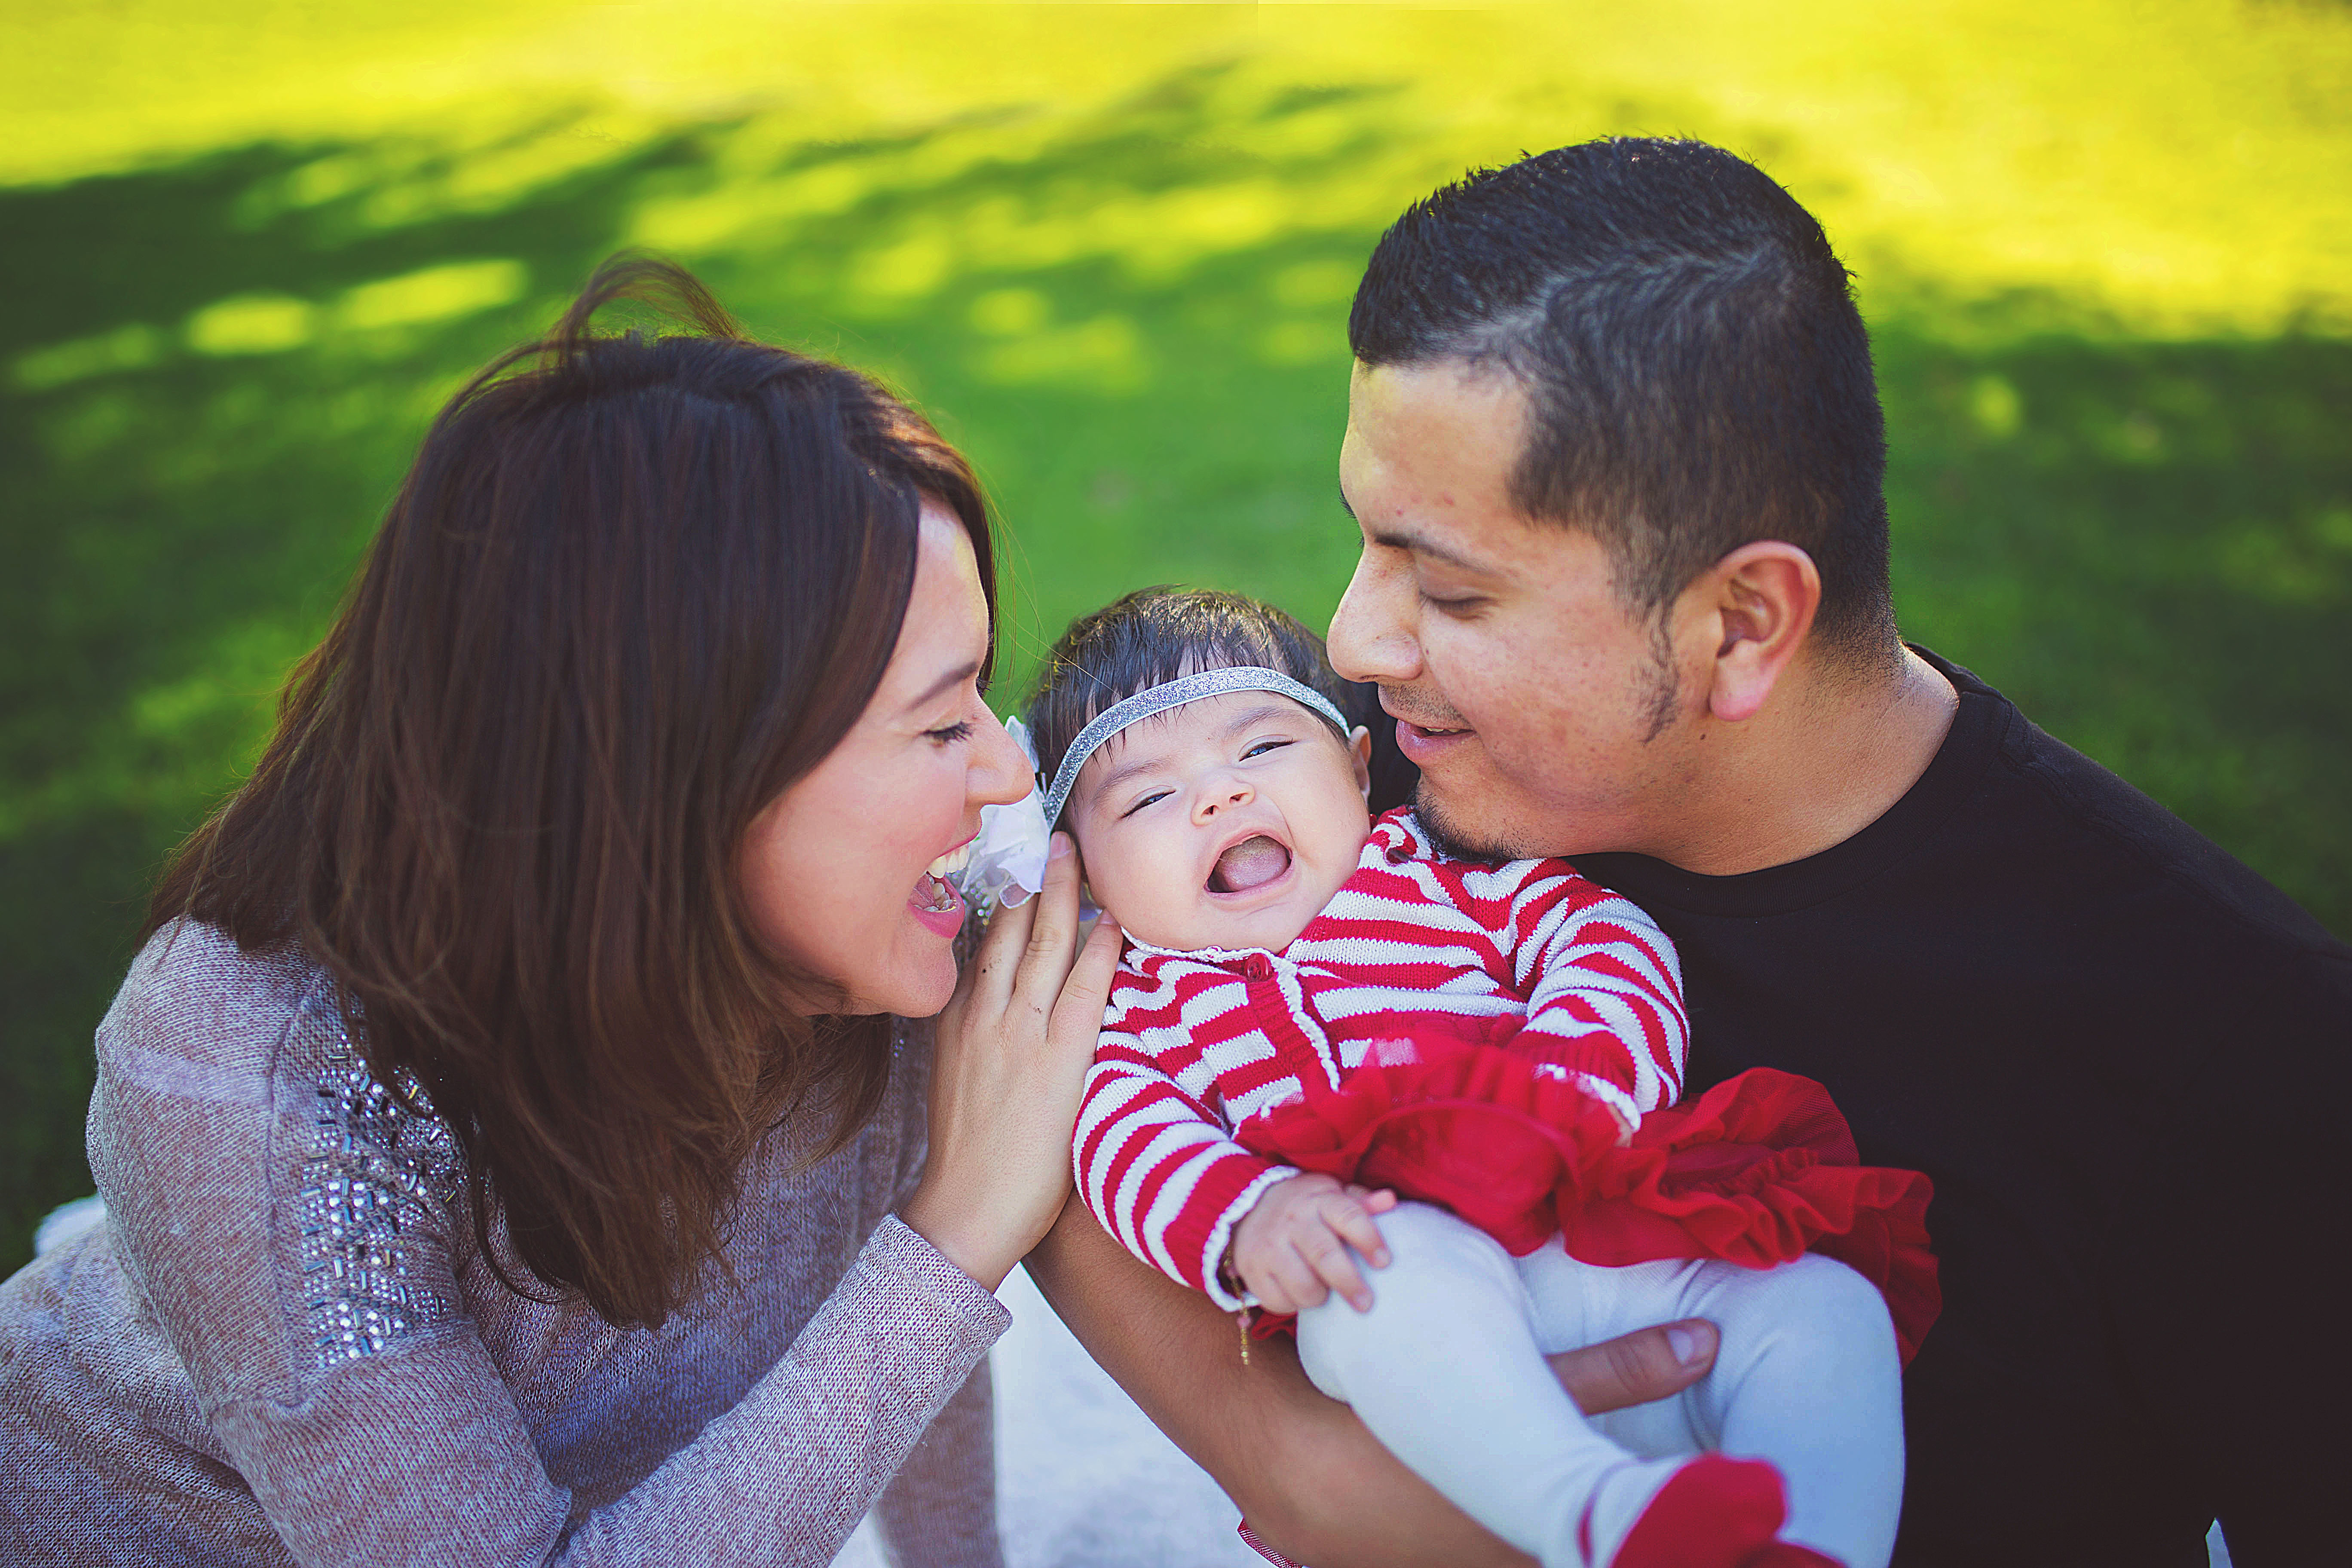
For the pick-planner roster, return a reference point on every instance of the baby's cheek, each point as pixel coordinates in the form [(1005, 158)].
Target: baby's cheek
[(1146, 896)]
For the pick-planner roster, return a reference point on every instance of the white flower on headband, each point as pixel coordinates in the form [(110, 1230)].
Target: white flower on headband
[(1007, 861)]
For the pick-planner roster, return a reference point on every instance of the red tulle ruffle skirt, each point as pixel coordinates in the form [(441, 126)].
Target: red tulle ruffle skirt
[(1756, 1170)]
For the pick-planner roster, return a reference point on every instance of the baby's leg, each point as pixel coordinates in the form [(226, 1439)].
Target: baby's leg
[(1808, 1376), (1445, 1370)]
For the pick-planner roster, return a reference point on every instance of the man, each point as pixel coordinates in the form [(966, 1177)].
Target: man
[(1616, 453)]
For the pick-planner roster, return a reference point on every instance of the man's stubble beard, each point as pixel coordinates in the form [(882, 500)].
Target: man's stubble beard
[(1659, 703), (1450, 840)]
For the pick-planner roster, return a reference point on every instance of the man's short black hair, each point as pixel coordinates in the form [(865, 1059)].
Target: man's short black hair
[(1698, 375), (1155, 634)]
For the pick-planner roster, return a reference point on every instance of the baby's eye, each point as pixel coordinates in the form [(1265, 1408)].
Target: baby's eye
[(1259, 748), (1147, 800)]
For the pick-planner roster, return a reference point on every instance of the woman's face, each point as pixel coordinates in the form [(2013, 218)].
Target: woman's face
[(836, 868)]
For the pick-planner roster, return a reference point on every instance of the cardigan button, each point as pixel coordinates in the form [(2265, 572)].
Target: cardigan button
[(1258, 966)]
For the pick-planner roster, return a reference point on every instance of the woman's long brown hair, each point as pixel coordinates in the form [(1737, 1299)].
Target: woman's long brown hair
[(633, 588)]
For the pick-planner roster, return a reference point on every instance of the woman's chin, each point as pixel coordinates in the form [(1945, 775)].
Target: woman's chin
[(920, 988)]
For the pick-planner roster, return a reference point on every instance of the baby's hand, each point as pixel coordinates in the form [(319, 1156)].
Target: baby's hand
[(1291, 1248)]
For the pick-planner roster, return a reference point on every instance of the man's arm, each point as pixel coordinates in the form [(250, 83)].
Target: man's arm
[(1310, 1480)]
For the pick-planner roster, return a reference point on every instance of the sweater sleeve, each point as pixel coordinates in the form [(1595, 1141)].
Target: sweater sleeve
[(940, 1510), (385, 1433), (1605, 998), (1160, 1170)]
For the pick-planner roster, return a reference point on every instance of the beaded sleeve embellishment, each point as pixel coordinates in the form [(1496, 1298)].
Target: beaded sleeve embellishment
[(378, 1186)]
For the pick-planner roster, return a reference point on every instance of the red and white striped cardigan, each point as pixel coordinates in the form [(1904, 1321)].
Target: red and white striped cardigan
[(1528, 955)]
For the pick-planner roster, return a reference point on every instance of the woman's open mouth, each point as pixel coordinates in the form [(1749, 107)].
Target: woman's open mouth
[(1256, 862), (935, 902)]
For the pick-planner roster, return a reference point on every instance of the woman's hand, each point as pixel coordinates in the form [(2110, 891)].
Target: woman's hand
[(1013, 1046)]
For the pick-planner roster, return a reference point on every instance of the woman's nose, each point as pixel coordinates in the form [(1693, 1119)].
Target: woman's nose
[(1000, 772)]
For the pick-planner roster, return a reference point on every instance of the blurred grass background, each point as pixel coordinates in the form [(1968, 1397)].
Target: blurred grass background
[(247, 251)]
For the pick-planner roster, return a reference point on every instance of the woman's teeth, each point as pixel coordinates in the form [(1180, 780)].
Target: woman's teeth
[(942, 896), (954, 860)]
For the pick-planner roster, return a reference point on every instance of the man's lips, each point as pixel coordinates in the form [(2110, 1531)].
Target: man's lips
[(1427, 724), (1423, 746)]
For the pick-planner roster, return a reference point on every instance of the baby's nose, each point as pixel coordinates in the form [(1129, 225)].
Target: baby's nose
[(1225, 797)]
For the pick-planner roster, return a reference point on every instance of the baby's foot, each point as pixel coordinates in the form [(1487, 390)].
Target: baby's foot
[(1707, 1512)]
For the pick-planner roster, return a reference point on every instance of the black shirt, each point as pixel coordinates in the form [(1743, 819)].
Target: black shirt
[(2122, 1058)]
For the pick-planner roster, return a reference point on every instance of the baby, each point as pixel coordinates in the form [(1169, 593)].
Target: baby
[(1317, 1016)]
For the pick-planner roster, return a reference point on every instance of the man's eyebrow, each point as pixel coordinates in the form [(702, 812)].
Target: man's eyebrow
[(1393, 538), (943, 685)]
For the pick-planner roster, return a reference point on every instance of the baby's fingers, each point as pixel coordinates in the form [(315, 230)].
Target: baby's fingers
[(1287, 1283), (1335, 1267), (1353, 1225)]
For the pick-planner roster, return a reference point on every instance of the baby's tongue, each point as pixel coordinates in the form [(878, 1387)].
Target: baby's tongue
[(1249, 864)]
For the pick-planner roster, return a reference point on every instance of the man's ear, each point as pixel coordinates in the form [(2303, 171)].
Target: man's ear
[(1755, 605), (1359, 751)]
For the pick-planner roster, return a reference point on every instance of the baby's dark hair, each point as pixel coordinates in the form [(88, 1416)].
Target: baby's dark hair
[(1152, 636)]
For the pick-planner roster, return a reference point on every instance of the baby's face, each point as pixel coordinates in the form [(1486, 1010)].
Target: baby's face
[(1229, 822)]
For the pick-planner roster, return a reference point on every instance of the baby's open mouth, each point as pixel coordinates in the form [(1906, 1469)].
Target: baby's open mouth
[(1252, 863)]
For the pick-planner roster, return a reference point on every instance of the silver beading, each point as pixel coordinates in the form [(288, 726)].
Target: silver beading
[(1175, 694), (379, 1188)]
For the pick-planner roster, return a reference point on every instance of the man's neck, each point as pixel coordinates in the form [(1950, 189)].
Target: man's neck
[(1828, 755)]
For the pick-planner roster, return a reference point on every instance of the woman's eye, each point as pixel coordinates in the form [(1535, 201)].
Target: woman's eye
[(1147, 800), (959, 730)]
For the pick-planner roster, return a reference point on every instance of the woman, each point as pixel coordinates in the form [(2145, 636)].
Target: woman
[(509, 1151)]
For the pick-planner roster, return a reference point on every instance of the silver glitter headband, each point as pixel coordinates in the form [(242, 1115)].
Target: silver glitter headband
[(1175, 694)]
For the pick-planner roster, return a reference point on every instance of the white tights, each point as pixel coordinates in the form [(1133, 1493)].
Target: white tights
[(1447, 1370)]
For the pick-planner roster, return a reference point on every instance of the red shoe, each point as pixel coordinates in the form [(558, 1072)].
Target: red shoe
[(1714, 1512)]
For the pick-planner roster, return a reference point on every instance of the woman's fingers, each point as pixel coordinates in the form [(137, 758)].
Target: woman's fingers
[(1053, 927), (1636, 1368), (998, 962), (1079, 1009)]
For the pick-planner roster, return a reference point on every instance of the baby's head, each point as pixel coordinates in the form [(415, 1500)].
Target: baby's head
[(1229, 819)]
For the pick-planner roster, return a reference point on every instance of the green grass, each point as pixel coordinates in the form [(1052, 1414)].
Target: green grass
[(2120, 488)]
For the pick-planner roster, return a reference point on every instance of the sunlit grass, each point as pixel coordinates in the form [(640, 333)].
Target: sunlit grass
[(2102, 246), (2185, 165)]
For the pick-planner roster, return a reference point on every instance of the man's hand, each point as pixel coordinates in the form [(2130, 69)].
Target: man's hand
[(1649, 1363), (1311, 1480), (1291, 1248)]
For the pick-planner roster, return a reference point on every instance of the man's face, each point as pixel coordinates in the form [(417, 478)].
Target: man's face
[(1539, 708)]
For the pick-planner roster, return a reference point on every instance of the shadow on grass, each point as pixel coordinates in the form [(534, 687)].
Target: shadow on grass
[(219, 370)]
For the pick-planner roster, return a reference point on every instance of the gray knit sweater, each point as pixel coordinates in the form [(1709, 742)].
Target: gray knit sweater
[(282, 1345)]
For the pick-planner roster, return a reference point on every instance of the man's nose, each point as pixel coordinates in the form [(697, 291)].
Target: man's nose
[(1371, 639)]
